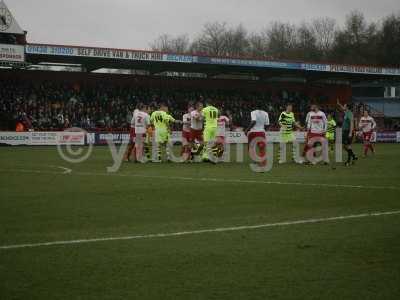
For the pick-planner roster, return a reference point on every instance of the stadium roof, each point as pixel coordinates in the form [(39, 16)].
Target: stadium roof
[(94, 58)]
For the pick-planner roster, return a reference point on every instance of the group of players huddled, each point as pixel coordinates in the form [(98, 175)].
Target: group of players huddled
[(204, 130)]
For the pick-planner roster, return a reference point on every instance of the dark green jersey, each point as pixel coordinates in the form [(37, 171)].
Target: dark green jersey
[(348, 118), (287, 122)]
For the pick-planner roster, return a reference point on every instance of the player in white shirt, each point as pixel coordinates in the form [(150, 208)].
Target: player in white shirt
[(196, 128), (367, 125), (316, 121), (223, 123), (131, 135), (316, 124), (186, 133), (256, 130), (196, 123), (142, 122)]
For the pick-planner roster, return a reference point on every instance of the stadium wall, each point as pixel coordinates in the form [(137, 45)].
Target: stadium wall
[(100, 138)]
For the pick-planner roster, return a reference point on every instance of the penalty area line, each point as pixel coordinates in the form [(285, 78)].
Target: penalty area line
[(201, 231)]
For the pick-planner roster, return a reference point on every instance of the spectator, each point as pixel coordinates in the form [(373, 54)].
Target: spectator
[(51, 105)]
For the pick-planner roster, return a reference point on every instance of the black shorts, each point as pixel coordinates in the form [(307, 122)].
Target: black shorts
[(346, 138)]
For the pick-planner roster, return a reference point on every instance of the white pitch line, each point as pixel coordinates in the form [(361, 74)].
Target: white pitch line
[(66, 170), (201, 231), (209, 179)]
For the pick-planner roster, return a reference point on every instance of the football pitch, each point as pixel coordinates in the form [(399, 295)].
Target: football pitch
[(197, 231)]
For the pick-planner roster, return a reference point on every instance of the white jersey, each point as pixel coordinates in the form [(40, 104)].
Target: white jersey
[(186, 122), (196, 120), (261, 118), (316, 122), (221, 125), (142, 121), (367, 124), (133, 118)]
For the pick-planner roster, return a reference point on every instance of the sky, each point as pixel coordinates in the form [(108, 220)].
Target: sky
[(134, 24)]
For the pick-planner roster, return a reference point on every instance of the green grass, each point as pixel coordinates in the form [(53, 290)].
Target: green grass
[(344, 259)]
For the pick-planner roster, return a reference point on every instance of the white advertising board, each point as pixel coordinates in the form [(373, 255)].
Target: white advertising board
[(12, 53), (42, 138)]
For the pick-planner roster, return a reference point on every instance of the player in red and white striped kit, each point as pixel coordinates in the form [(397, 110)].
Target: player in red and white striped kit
[(196, 128), (186, 135), (256, 130), (316, 124), (141, 121), (367, 125), (223, 123), (132, 136)]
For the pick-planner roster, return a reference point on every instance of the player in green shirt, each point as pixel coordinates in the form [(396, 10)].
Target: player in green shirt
[(288, 123), (210, 115), (330, 132), (162, 121)]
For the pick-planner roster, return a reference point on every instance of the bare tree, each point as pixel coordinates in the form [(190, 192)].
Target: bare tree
[(237, 42), (168, 43), (358, 41), (306, 46), (356, 28), (181, 44), (212, 39), (324, 31), (389, 41), (258, 45), (351, 43), (281, 39), (161, 43)]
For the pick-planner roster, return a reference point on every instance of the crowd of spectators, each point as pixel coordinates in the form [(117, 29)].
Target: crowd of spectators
[(52, 105)]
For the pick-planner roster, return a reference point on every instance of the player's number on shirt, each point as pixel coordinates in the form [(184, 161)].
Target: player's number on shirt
[(159, 118), (213, 114)]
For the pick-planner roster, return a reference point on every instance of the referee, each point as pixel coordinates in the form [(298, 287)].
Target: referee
[(347, 132)]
